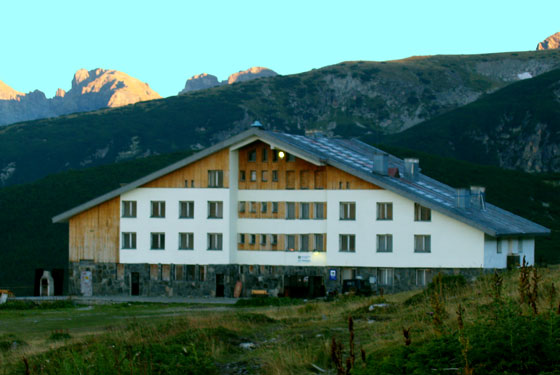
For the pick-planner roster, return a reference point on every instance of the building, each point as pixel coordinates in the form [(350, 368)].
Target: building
[(289, 214)]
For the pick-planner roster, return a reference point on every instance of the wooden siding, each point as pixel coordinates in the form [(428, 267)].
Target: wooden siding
[(94, 234), (297, 174), (197, 172)]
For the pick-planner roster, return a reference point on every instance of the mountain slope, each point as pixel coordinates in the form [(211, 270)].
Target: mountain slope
[(91, 90), (349, 99), (517, 127)]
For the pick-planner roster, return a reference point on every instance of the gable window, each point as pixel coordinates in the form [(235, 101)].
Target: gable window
[(215, 179), (252, 156), (129, 209), (423, 277), (264, 176), (384, 243), (347, 210), (274, 176), (290, 242), (422, 213), (384, 211), (264, 207), (290, 210), (215, 210), (319, 240), (304, 210), (129, 240), (422, 243), (158, 208), (157, 241), (264, 155), (186, 241), (304, 242), (274, 207), (242, 176), (186, 209), (241, 207), (214, 241), (318, 210), (347, 243), (385, 276), (263, 239)]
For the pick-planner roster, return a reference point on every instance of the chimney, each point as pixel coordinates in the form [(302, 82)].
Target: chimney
[(257, 124), (463, 198), (478, 197), (380, 163), (411, 169)]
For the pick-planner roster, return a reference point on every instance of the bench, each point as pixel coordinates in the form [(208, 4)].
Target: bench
[(259, 293)]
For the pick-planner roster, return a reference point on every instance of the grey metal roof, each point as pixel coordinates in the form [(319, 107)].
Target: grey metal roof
[(356, 158)]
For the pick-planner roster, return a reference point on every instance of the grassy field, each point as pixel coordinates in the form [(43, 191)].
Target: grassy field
[(298, 338)]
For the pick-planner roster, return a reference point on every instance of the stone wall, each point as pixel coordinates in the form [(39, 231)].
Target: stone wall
[(202, 280)]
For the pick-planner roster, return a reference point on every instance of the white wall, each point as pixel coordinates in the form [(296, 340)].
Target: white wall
[(171, 225), (495, 259)]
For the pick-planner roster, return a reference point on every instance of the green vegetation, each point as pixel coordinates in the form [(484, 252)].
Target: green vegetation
[(502, 323), (30, 305), (268, 301)]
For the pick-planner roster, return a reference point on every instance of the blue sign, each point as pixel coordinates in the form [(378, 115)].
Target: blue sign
[(332, 274)]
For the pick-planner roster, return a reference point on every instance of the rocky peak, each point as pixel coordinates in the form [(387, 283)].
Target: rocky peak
[(251, 73), (60, 93), (80, 76), (200, 82), (552, 42), (8, 93)]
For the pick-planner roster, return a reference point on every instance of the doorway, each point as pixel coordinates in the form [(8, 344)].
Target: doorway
[(135, 283), (220, 285)]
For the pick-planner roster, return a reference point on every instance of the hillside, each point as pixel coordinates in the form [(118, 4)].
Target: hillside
[(350, 99), (91, 90), (33, 242), (517, 127)]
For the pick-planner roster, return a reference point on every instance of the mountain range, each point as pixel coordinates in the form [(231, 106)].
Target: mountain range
[(206, 81)]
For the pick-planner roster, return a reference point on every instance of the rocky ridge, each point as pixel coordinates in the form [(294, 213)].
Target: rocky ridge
[(91, 90), (206, 81), (552, 42)]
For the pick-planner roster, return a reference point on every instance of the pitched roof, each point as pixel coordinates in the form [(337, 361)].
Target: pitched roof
[(356, 158)]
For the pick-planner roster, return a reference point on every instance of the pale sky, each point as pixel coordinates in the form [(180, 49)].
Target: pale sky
[(165, 42)]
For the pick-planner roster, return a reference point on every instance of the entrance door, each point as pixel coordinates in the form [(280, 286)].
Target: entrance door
[(220, 285), (135, 283)]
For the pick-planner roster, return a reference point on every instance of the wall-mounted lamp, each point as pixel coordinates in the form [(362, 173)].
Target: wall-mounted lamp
[(281, 154)]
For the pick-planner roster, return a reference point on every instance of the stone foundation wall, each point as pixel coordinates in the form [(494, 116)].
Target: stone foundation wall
[(202, 280)]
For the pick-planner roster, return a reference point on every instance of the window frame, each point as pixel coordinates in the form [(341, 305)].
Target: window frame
[(215, 210), (347, 211), (189, 241), (422, 213), (316, 242), (242, 176), (274, 176), (159, 243), (129, 209), (347, 243), (290, 238), (304, 213), (252, 155), (215, 178), (275, 206), (385, 276), (264, 207), (241, 206), (425, 244), (131, 241), (189, 209), (157, 209), (318, 207), (384, 211), (214, 242), (387, 240)]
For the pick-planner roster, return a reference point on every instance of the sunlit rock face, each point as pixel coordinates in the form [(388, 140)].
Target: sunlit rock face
[(251, 73), (206, 81), (552, 42), (200, 82), (91, 90)]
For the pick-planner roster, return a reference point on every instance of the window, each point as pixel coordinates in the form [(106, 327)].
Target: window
[(264, 207), (192, 183), (201, 273), (264, 176), (241, 207), (304, 210), (158, 241), (129, 240), (191, 272), (186, 183), (252, 156), (274, 155), (129, 209), (422, 243), (215, 179), (499, 245), (264, 155), (384, 243), (274, 176), (422, 213), (290, 242), (274, 239), (253, 207), (290, 210), (263, 239), (252, 239), (214, 241), (385, 276), (242, 176), (318, 210), (423, 277), (253, 176), (186, 241), (384, 211), (319, 238), (241, 238), (347, 210), (186, 209), (290, 157), (215, 210), (304, 242), (274, 207), (519, 246), (158, 209), (347, 243)]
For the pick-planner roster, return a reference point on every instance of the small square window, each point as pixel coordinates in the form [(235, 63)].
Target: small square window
[(347, 243), (347, 210), (186, 241), (242, 176), (384, 211), (422, 243), (253, 176), (422, 213), (186, 209), (264, 207), (290, 210), (385, 276), (157, 241), (252, 156), (128, 208), (215, 179), (384, 243), (319, 239), (318, 210), (215, 210), (214, 241), (158, 209), (304, 210), (274, 207), (128, 240)]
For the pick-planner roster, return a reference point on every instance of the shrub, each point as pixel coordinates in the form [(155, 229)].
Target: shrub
[(267, 301)]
